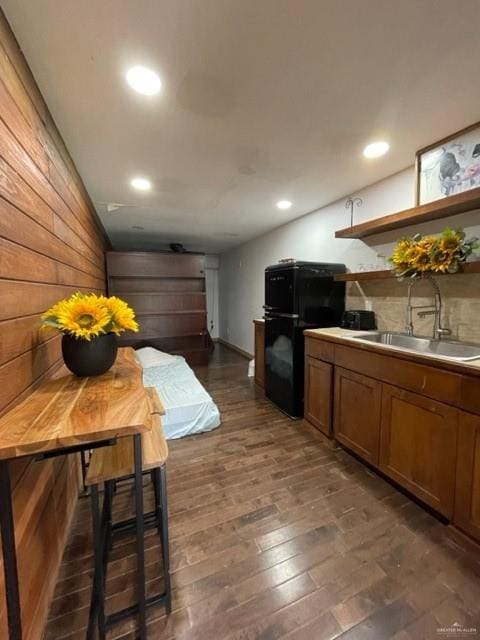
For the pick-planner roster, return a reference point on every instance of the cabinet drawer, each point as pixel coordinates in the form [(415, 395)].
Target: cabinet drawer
[(418, 446), (321, 349), (433, 382)]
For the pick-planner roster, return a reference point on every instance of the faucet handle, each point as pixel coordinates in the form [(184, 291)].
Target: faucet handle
[(441, 331)]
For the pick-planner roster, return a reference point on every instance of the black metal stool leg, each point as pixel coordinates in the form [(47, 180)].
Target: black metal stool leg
[(83, 461), (165, 541), (107, 520), (156, 489), (97, 607), (137, 447)]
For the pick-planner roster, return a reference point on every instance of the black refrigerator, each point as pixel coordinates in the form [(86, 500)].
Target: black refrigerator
[(298, 296)]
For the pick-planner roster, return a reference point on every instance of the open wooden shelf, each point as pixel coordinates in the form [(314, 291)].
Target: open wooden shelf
[(451, 206), (362, 276)]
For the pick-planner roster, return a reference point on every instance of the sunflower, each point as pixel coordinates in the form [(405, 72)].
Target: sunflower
[(450, 242), (418, 255), (81, 316), (400, 257), (122, 317), (443, 262), (87, 315)]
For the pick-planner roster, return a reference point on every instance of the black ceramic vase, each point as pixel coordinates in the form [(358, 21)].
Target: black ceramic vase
[(89, 357)]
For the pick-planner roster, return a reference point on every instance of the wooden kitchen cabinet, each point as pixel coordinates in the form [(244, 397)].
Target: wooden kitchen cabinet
[(318, 394), (418, 446), (259, 353), (467, 496), (357, 407)]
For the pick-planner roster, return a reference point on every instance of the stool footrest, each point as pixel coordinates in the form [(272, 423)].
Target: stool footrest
[(129, 525), (117, 616)]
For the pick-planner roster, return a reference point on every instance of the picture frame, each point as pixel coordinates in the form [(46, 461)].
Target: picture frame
[(448, 167)]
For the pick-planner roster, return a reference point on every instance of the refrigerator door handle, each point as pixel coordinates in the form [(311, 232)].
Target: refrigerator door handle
[(290, 316)]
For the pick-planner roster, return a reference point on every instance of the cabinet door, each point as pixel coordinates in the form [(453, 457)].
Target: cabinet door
[(318, 394), (467, 497), (357, 413), (259, 354), (418, 446)]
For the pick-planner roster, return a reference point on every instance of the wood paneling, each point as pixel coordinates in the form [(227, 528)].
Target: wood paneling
[(167, 291), (155, 265), (259, 354), (357, 413), (467, 496), (50, 246), (419, 446), (319, 394), (158, 302)]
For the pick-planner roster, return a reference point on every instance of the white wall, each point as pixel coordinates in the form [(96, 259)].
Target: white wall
[(312, 237), (211, 285)]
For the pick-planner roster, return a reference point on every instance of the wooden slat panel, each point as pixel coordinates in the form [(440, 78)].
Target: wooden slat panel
[(50, 246), (27, 265), (122, 286), (18, 193), (170, 326), (18, 374), (155, 265), (25, 298), (21, 162), (42, 144), (21, 229), (15, 121), (21, 335), (158, 302)]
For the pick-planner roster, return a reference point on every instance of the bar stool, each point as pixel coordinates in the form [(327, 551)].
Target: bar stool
[(107, 466)]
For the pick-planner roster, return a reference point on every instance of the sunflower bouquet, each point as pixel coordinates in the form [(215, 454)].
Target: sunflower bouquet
[(421, 255), (87, 315)]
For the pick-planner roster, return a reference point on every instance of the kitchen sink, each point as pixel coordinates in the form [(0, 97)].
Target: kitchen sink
[(460, 351)]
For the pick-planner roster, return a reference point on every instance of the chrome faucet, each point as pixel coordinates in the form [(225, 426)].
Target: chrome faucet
[(434, 310)]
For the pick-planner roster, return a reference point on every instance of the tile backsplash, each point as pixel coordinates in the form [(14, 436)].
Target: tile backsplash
[(388, 298)]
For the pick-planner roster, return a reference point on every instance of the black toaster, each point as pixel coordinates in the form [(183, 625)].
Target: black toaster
[(359, 320)]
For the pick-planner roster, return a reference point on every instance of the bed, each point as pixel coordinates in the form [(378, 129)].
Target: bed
[(189, 409)]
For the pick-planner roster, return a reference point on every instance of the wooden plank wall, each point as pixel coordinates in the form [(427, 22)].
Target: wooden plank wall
[(50, 246)]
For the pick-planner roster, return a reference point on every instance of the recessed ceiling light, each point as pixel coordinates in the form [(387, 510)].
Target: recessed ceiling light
[(144, 80), (376, 149), (141, 184), (284, 204)]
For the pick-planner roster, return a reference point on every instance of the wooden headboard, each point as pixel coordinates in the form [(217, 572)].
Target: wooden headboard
[(167, 292)]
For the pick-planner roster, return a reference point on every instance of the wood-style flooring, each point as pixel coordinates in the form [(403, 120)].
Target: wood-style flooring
[(274, 535)]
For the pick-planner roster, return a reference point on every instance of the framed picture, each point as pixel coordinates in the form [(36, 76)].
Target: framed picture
[(449, 166)]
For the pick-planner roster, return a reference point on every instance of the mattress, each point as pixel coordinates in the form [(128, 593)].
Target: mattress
[(189, 409)]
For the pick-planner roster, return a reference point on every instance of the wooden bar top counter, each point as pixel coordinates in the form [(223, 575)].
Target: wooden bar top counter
[(68, 411), (64, 415)]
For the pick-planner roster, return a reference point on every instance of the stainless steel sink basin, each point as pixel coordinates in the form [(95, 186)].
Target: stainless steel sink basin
[(460, 351)]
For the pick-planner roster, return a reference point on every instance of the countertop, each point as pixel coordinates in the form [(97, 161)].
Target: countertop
[(347, 337)]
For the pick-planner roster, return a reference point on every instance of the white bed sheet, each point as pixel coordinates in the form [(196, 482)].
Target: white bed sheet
[(189, 409)]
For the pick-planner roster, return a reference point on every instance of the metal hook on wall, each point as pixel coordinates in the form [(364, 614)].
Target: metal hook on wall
[(350, 204)]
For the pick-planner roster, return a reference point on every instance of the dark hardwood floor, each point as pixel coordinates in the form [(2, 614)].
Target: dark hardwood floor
[(275, 535)]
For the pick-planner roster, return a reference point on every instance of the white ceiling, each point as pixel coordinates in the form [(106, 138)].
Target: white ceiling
[(263, 100)]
